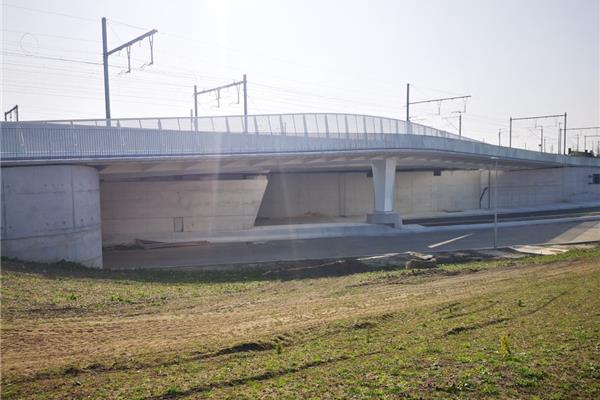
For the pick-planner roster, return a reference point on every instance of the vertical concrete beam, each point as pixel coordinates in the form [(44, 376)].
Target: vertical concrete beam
[(384, 180), (341, 194)]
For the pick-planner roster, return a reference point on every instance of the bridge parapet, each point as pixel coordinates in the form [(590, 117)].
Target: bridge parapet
[(334, 125), (151, 138), (156, 136)]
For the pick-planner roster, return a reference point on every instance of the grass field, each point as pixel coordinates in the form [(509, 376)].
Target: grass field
[(500, 329)]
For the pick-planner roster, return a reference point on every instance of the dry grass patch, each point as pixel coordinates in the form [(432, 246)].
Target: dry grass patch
[(491, 329)]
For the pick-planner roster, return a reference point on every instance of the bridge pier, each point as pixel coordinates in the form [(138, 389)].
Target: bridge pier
[(384, 182), (52, 213)]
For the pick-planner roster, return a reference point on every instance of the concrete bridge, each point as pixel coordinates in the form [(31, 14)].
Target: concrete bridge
[(68, 187)]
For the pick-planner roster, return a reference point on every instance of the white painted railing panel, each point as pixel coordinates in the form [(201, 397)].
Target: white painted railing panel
[(203, 135)]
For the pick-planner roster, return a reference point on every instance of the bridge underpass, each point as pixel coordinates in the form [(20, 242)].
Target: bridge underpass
[(331, 248), (71, 187)]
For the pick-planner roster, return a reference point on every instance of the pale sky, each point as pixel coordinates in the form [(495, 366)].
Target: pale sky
[(515, 57)]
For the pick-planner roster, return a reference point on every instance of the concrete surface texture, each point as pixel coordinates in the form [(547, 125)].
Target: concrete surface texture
[(26, 142), (52, 213), (167, 180), (272, 232), (344, 227), (384, 184), (547, 211), (543, 186), (427, 240), (351, 194), (167, 208)]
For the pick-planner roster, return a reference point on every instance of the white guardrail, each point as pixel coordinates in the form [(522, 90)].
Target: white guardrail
[(158, 136)]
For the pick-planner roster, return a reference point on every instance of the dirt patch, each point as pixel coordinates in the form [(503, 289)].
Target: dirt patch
[(257, 378), (220, 321), (477, 310), (246, 347), (466, 328), (363, 325), (319, 270), (411, 277), (420, 264), (449, 307)]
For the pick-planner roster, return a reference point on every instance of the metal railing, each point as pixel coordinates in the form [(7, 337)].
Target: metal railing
[(333, 125), (91, 138)]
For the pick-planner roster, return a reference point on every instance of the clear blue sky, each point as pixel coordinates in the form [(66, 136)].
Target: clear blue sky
[(515, 57)]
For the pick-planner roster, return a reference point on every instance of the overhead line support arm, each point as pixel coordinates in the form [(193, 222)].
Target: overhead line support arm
[(132, 41), (442, 99)]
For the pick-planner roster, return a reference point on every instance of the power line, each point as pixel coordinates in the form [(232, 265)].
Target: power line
[(49, 12), (438, 101), (129, 25), (243, 84), (436, 90), (35, 68), (52, 36), (87, 76), (315, 95), (127, 46), (269, 89), (184, 37), (137, 27), (536, 118), (48, 51), (50, 58), (88, 91), (164, 33), (117, 101), (170, 74)]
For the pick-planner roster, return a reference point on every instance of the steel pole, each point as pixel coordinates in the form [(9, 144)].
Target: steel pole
[(565, 135), (245, 104), (105, 63), (510, 133), (558, 149), (195, 100), (408, 130), (496, 204), (195, 107)]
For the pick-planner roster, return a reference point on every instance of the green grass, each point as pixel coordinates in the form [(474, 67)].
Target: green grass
[(573, 254), (527, 328)]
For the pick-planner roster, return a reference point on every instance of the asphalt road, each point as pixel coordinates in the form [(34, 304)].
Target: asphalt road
[(504, 217), (324, 248)]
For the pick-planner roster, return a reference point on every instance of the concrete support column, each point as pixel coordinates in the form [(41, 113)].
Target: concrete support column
[(384, 180), (51, 213)]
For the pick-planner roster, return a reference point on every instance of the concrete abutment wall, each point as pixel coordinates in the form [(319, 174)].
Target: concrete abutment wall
[(347, 194), (172, 209), (546, 186), (52, 213)]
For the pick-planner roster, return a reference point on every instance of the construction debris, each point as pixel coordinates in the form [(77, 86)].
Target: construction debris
[(539, 250), (416, 263)]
